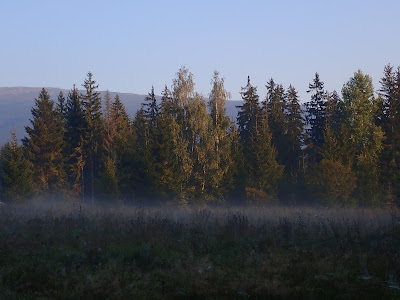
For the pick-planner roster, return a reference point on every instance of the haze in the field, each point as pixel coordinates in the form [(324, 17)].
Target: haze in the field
[(131, 45)]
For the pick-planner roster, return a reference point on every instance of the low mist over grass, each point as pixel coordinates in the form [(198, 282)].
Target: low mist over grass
[(67, 251)]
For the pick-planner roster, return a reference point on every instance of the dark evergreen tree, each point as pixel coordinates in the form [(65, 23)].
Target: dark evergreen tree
[(261, 170), (264, 171), (124, 145), (388, 118), (275, 107), (249, 113), (143, 175), (294, 123), (93, 137), (316, 117), (151, 109), (44, 145), (61, 105), (75, 126), (334, 112), (169, 175), (15, 173)]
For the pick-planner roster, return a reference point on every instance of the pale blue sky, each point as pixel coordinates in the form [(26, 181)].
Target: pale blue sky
[(131, 45)]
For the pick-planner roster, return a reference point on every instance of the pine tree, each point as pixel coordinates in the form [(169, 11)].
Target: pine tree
[(15, 173), (45, 145), (93, 133)]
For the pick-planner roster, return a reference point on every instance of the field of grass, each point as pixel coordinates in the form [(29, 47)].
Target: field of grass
[(131, 252)]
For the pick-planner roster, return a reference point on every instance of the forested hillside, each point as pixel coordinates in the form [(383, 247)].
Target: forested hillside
[(81, 145)]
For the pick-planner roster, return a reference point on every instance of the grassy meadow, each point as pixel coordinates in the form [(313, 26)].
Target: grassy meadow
[(64, 252)]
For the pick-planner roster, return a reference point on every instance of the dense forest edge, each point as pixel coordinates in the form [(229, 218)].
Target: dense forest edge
[(344, 150)]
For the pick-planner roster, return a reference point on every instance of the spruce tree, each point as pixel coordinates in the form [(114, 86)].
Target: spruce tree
[(151, 109), (143, 176), (45, 145), (265, 172), (75, 125), (249, 112), (61, 105), (262, 172), (124, 145), (275, 107), (316, 117), (388, 117), (93, 133), (15, 173), (168, 162), (109, 183), (294, 123)]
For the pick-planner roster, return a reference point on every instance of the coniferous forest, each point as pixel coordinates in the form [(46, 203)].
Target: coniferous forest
[(339, 149)]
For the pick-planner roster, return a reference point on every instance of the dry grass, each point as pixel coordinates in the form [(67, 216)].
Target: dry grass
[(62, 251)]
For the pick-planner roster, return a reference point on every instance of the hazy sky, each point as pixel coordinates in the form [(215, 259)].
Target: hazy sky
[(131, 45)]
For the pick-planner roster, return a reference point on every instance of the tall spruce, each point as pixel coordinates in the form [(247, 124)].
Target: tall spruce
[(316, 117), (44, 145), (61, 105), (249, 112), (109, 182), (93, 133), (169, 143), (265, 172), (275, 107), (294, 123), (124, 146), (151, 109), (261, 170), (388, 117), (75, 125)]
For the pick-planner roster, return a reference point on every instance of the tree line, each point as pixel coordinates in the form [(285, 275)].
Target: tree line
[(340, 150)]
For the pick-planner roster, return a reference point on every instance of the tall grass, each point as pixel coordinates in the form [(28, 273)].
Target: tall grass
[(72, 251)]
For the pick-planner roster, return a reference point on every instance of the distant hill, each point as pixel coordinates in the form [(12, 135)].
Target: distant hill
[(16, 104)]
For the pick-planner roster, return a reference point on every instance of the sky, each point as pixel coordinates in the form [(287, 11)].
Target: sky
[(131, 45)]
